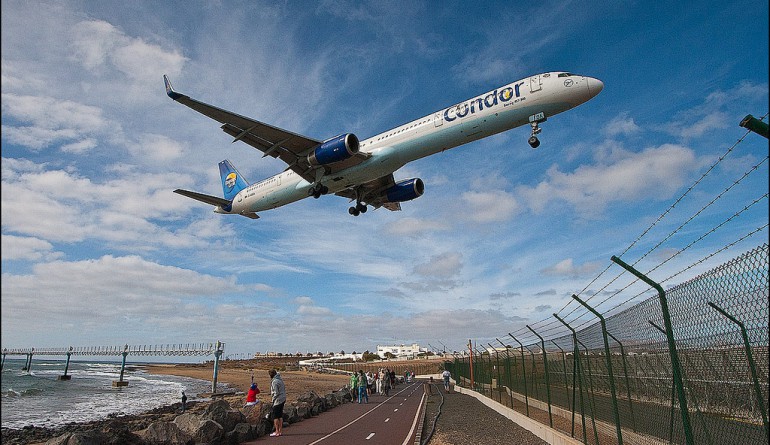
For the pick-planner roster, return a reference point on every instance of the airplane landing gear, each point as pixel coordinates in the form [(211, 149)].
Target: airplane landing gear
[(534, 120), (317, 190), (358, 209)]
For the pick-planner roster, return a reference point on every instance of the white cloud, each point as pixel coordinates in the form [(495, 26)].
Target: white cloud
[(488, 206), (566, 268), (26, 248), (413, 226), (655, 172), (52, 121), (621, 125), (441, 266), (156, 147), (100, 46), (715, 112)]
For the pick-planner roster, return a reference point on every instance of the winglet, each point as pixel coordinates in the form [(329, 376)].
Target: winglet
[(170, 90)]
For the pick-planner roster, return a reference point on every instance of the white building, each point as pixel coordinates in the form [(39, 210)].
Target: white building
[(401, 350)]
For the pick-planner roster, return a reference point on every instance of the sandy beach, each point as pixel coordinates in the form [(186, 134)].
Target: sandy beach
[(239, 379)]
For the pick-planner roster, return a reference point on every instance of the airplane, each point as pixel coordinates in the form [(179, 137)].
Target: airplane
[(362, 171)]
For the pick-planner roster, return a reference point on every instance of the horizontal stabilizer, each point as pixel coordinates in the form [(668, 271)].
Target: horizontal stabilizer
[(208, 199)]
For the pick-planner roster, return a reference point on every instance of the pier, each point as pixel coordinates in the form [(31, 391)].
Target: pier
[(169, 350)]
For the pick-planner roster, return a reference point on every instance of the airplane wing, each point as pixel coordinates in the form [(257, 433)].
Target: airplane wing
[(373, 193), (290, 147)]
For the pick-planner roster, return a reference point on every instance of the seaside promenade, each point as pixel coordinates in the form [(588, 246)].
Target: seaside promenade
[(384, 420), (411, 415)]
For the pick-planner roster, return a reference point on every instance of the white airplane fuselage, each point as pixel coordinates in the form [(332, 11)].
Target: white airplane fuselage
[(501, 109)]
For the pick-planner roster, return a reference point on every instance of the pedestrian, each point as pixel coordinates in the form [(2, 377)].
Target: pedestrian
[(378, 381), (446, 375), (251, 396), (362, 386), (278, 393), (386, 383), (184, 401), (354, 386), (370, 382)]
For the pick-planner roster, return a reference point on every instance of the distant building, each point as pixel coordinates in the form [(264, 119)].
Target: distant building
[(401, 350)]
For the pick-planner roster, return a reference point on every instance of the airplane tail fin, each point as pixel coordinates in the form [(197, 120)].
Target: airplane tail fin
[(232, 181)]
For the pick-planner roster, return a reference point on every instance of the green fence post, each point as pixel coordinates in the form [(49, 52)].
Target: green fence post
[(752, 123), (497, 366), (479, 371), (576, 380), (750, 356), (673, 392), (547, 380), (508, 369), (564, 364), (533, 374), (523, 373), (615, 411), (677, 369), (488, 371), (628, 382), (592, 400), (490, 367)]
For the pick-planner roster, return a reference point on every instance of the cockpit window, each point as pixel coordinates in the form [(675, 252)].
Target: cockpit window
[(566, 74)]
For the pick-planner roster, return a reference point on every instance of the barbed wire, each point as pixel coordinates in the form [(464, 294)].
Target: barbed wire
[(547, 326)]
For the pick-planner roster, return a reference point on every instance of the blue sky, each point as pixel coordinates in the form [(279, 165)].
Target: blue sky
[(97, 250)]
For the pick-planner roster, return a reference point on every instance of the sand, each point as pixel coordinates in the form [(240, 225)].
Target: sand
[(239, 379)]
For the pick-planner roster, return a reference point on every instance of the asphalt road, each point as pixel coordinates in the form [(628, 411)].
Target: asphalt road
[(383, 421)]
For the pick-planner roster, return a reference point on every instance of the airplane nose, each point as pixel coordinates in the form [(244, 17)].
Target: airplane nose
[(595, 86)]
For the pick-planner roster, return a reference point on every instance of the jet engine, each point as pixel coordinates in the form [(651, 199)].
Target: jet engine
[(334, 150), (405, 190)]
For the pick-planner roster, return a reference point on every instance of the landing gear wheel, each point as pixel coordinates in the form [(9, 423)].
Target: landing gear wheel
[(317, 190), (361, 207), (534, 122), (354, 211)]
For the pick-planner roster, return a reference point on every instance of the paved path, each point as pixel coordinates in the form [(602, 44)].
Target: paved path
[(383, 421)]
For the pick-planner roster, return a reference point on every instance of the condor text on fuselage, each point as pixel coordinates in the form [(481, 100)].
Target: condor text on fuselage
[(362, 171)]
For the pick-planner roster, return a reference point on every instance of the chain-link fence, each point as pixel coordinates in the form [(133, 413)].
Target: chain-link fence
[(687, 366)]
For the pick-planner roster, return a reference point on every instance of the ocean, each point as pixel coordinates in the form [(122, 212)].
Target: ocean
[(38, 398)]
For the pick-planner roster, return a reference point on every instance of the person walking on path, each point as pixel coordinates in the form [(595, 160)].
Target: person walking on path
[(446, 375), (278, 392), (386, 382), (362, 386)]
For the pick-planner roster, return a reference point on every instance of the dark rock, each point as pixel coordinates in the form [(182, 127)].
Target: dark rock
[(241, 433), (221, 413), (209, 433), (165, 433), (79, 438), (290, 414)]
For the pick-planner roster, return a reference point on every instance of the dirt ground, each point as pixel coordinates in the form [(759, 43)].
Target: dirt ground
[(239, 379)]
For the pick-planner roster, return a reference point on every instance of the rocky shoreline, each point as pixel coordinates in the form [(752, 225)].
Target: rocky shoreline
[(220, 421)]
